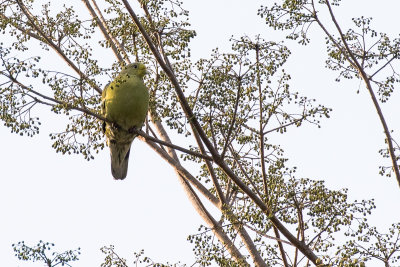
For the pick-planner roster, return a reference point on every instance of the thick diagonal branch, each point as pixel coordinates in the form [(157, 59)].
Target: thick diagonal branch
[(198, 205), (217, 158)]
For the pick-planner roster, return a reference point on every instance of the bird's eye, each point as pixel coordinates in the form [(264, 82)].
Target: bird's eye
[(135, 66)]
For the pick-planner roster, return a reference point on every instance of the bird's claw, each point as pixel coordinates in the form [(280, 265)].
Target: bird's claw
[(132, 130), (115, 125)]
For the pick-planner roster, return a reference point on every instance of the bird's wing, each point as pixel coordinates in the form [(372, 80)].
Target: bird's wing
[(103, 106)]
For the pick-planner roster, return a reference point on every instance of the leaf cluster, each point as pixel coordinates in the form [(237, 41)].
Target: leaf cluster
[(40, 252)]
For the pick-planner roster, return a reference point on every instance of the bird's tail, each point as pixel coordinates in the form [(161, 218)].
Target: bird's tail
[(119, 153)]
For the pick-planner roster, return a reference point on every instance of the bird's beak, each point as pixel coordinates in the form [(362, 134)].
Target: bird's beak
[(143, 69)]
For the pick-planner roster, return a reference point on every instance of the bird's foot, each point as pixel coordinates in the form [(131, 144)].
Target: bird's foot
[(132, 130), (115, 126)]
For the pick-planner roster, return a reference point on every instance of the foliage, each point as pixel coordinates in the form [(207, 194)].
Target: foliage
[(374, 245), (360, 52), (113, 259), (38, 253)]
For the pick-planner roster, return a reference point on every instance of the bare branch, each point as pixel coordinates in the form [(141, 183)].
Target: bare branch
[(182, 171), (210, 168), (66, 105), (268, 236), (198, 205), (221, 200), (261, 123), (187, 151), (285, 125)]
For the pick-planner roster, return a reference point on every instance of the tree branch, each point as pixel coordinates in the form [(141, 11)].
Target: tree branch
[(210, 168), (372, 94), (184, 150), (198, 205), (221, 202), (21, 29), (261, 125), (331, 37), (228, 136), (181, 171), (66, 105), (217, 158), (381, 68), (268, 236)]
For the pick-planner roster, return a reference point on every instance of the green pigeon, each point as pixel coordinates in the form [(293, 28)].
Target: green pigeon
[(124, 102)]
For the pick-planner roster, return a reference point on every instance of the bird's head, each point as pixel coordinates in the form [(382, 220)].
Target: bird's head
[(137, 68)]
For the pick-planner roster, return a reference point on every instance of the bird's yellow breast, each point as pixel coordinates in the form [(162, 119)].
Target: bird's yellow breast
[(126, 101)]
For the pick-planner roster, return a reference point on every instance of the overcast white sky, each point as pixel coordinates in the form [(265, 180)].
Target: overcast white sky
[(75, 203)]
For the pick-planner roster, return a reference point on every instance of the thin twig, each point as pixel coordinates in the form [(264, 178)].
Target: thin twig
[(267, 236), (381, 68), (228, 136), (187, 151), (198, 205)]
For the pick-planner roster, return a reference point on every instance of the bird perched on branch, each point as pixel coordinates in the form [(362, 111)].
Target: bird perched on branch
[(124, 102)]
